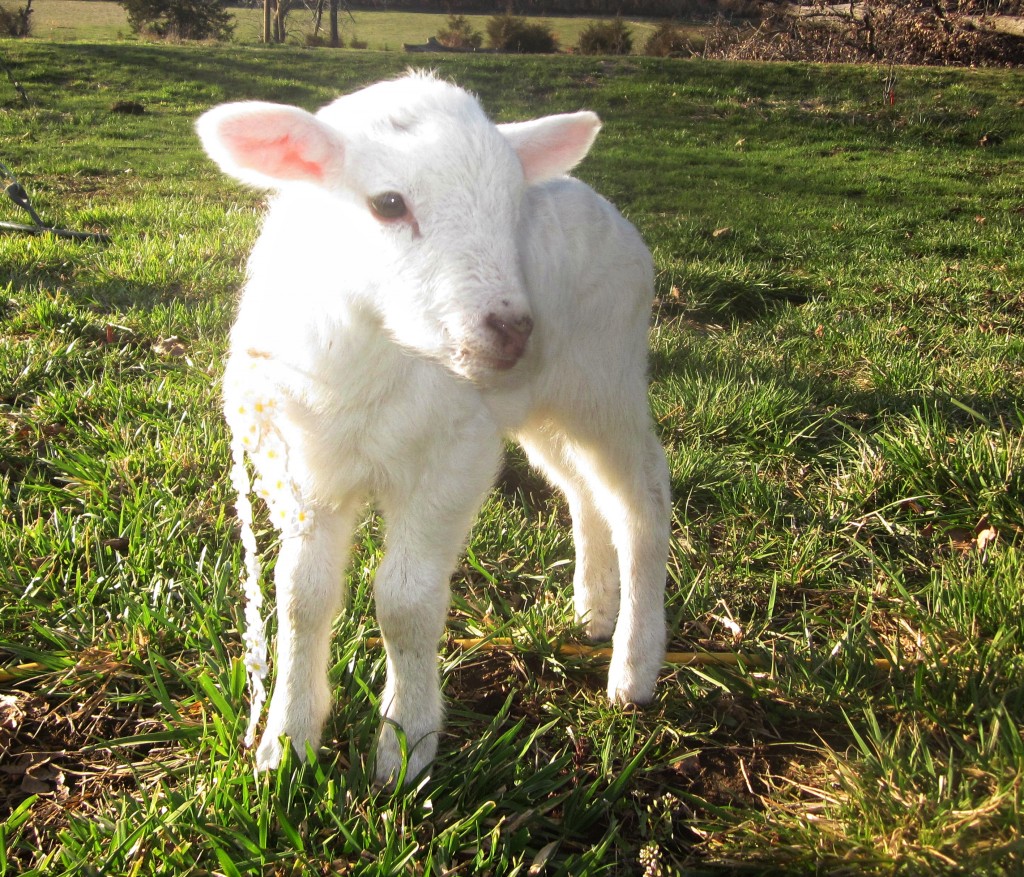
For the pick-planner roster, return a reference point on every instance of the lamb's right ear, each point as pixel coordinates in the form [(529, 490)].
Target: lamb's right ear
[(269, 145)]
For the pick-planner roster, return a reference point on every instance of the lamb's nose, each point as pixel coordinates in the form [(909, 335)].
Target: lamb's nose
[(511, 335)]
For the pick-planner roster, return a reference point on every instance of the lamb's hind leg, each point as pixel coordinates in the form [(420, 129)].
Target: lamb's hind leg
[(619, 476), (628, 475), (596, 577)]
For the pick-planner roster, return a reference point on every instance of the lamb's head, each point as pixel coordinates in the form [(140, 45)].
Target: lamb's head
[(422, 192)]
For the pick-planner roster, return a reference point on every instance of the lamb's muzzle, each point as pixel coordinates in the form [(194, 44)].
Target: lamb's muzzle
[(510, 336)]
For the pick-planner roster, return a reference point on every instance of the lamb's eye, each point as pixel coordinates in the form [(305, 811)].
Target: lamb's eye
[(389, 205)]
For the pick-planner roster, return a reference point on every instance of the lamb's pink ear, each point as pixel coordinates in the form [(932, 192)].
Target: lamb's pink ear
[(553, 145), (268, 145)]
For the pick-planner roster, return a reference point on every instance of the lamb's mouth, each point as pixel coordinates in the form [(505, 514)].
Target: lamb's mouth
[(470, 360)]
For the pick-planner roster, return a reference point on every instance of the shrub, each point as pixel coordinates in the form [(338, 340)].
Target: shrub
[(180, 19), (668, 41), (15, 22), (511, 33), (890, 31), (458, 33), (606, 38)]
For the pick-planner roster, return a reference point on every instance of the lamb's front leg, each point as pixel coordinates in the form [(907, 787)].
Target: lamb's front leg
[(412, 605), (309, 583), (425, 534)]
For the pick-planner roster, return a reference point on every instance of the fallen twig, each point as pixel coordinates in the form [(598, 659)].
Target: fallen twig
[(698, 658), (21, 671), (579, 650)]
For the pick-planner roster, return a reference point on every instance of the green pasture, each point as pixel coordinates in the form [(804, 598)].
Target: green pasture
[(70, 20), (838, 378)]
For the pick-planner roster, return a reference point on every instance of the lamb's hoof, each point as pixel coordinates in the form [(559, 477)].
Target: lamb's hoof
[(631, 685), (396, 768), (597, 626), (270, 752)]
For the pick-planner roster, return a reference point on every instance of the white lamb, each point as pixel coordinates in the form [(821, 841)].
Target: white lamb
[(427, 283)]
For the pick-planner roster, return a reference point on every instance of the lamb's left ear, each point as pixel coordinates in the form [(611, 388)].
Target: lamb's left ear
[(553, 145)]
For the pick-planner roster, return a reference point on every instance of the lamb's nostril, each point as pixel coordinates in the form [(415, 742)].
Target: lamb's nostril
[(511, 334), (525, 325)]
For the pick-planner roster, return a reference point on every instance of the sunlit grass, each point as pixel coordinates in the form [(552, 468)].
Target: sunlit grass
[(837, 373)]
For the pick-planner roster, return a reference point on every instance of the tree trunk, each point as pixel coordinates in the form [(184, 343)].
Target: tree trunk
[(279, 13), (335, 38)]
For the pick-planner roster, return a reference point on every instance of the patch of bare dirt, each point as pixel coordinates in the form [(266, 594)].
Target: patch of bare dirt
[(52, 740)]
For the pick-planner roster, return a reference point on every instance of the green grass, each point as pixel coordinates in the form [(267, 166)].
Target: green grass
[(837, 372), (68, 20)]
